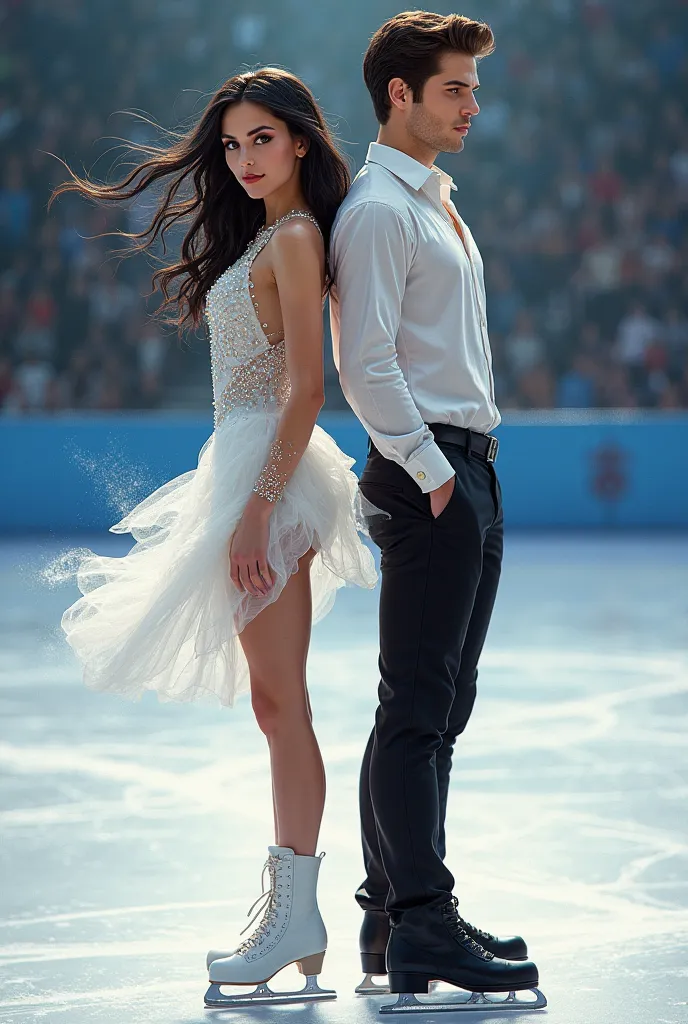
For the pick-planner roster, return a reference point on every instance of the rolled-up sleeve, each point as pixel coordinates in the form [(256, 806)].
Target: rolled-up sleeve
[(371, 253)]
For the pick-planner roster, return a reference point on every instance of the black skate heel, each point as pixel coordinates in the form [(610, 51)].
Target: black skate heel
[(373, 966), (408, 982), (373, 963), (372, 942)]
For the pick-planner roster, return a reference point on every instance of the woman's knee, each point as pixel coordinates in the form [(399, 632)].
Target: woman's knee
[(274, 710)]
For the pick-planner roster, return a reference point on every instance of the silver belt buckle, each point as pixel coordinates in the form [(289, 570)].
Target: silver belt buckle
[(492, 448)]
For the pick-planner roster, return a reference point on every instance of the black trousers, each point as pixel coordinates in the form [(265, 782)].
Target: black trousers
[(439, 582)]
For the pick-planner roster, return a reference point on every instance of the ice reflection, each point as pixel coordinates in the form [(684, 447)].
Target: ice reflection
[(134, 835)]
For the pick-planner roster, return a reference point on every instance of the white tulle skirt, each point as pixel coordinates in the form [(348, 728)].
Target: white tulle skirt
[(166, 616)]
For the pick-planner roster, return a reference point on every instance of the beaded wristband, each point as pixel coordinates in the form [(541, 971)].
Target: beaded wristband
[(271, 482)]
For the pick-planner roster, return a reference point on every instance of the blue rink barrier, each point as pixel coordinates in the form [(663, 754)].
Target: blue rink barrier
[(67, 473)]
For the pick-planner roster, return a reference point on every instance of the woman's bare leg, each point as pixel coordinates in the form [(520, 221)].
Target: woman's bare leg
[(276, 647)]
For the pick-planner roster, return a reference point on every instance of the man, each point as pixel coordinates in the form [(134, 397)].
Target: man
[(411, 346)]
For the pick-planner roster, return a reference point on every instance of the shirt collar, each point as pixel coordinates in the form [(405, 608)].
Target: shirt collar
[(413, 172)]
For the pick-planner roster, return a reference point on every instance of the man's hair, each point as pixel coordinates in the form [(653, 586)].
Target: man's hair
[(410, 45)]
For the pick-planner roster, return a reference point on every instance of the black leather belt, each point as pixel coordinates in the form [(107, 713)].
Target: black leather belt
[(485, 446)]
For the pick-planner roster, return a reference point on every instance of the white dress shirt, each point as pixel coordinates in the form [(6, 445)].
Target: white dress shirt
[(407, 310)]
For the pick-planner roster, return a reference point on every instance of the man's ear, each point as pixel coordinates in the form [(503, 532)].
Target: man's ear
[(399, 93)]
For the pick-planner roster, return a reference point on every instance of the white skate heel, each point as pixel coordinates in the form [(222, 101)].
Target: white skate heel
[(291, 931)]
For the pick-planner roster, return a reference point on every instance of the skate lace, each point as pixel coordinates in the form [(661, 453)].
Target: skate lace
[(268, 909), (472, 930), (457, 927)]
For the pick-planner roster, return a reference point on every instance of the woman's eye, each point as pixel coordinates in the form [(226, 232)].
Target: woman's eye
[(230, 145), (266, 137)]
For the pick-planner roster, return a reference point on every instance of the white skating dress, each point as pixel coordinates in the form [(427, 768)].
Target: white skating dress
[(166, 616)]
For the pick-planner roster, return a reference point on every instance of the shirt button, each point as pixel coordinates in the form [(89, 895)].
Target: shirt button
[(420, 474)]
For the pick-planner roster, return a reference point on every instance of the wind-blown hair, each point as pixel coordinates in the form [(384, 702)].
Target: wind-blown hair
[(203, 191)]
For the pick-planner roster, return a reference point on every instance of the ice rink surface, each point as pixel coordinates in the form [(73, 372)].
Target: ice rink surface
[(134, 835)]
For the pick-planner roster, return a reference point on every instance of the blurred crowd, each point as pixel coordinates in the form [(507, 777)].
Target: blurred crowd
[(574, 182)]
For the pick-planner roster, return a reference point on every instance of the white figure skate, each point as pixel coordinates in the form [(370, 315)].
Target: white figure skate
[(291, 931)]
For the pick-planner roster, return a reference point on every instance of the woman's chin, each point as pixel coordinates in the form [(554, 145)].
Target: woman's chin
[(256, 189)]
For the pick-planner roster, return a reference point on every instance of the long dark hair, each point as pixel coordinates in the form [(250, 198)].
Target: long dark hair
[(202, 189)]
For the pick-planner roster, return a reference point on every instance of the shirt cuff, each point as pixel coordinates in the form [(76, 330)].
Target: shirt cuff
[(430, 468)]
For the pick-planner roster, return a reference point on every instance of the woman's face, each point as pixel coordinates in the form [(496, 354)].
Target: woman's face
[(259, 148)]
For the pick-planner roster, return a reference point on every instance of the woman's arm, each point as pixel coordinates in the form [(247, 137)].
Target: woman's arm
[(298, 265)]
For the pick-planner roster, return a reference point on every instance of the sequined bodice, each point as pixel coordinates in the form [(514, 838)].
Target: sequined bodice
[(248, 370)]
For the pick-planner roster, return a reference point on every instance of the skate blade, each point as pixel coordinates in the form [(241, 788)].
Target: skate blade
[(368, 987), (263, 994), (482, 1002)]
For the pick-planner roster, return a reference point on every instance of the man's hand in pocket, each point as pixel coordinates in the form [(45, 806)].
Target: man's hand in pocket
[(440, 497)]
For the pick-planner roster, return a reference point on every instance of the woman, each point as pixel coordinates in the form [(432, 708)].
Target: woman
[(234, 560)]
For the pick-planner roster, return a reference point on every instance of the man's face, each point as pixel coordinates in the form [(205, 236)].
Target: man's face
[(442, 119)]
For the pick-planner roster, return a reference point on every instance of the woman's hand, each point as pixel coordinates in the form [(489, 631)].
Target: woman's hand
[(248, 548)]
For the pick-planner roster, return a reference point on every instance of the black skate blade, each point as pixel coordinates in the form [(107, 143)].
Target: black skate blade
[(465, 1002), (368, 987), (263, 995)]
